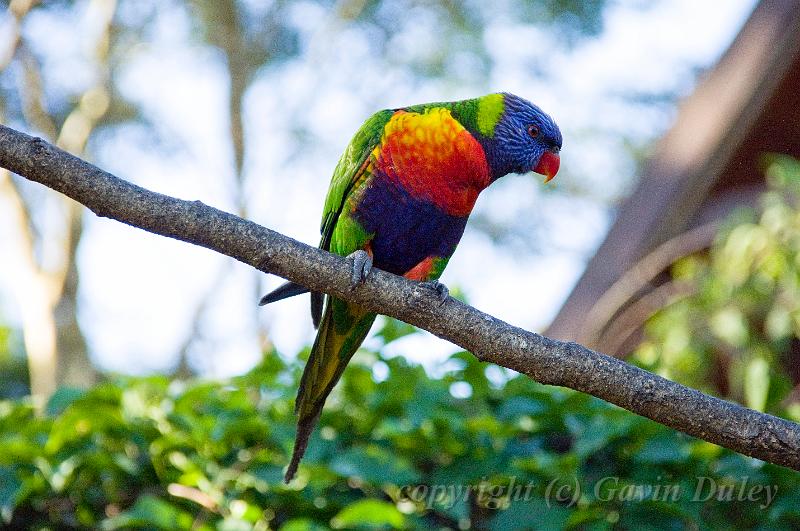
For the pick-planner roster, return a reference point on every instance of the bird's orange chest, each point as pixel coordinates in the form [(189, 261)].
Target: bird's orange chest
[(432, 157)]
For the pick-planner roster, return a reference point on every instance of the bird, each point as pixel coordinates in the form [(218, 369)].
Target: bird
[(399, 200)]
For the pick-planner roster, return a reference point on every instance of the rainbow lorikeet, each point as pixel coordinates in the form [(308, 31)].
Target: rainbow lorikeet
[(399, 199)]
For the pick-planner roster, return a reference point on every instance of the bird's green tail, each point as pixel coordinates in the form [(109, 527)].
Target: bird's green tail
[(342, 330)]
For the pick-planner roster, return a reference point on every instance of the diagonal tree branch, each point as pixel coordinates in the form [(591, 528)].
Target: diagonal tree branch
[(545, 360)]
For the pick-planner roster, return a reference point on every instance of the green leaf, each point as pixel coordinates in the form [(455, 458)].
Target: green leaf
[(375, 465), (63, 398), (153, 512), (302, 524), (663, 449), (393, 329), (269, 473), (10, 486), (369, 514), (518, 406), (532, 513), (756, 383)]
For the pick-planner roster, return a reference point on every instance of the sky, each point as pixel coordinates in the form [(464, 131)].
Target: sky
[(139, 291)]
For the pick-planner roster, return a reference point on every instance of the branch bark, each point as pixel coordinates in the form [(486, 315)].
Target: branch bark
[(545, 360)]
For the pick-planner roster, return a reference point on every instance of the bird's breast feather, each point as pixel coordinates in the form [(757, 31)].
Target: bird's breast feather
[(432, 156)]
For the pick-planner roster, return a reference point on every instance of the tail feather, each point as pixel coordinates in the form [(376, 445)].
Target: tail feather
[(290, 289), (305, 426), (317, 299), (284, 291), (329, 356)]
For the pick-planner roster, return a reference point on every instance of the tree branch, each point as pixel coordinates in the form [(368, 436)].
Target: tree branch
[(545, 360)]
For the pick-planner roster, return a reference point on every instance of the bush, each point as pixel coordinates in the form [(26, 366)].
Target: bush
[(395, 449)]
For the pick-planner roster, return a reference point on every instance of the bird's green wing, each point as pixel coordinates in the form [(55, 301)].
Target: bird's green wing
[(350, 169)]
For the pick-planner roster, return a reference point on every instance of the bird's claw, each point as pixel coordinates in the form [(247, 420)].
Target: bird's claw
[(441, 290), (362, 265)]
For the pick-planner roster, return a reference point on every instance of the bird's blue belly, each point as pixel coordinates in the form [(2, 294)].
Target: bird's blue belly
[(407, 229)]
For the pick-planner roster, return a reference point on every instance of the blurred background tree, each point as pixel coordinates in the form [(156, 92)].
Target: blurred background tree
[(247, 106), (66, 74), (42, 251)]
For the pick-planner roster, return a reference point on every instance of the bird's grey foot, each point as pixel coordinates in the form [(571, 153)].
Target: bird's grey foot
[(441, 290), (362, 265)]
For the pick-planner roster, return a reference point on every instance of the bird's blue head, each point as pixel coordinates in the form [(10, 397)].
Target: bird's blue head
[(522, 137)]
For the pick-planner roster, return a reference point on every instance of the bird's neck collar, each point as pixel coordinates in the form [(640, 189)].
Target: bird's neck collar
[(499, 163)]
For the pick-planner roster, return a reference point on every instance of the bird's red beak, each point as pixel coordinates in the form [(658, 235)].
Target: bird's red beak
[(548, 165)]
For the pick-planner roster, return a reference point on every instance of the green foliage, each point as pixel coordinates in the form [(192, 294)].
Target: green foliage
[(738, 335), (402, 450), (13, 366)]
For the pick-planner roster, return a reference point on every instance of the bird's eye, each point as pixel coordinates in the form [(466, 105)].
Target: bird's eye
[(533, 131)]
